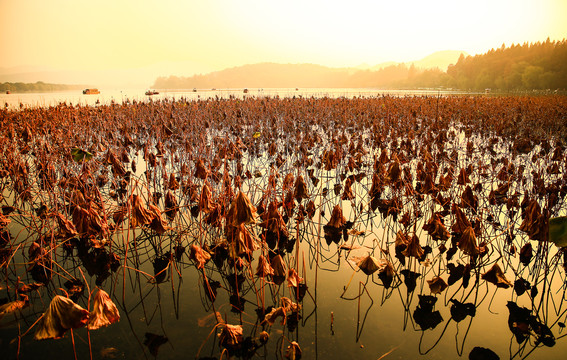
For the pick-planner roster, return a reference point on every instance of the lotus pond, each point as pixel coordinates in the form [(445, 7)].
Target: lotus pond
[(383, 227)]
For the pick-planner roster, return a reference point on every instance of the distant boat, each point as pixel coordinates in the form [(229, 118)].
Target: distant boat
[(246, 91), (194, 89), (152, 92), (91, 91)]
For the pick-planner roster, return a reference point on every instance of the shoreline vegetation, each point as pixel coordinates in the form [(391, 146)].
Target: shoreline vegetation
[(39, 86)]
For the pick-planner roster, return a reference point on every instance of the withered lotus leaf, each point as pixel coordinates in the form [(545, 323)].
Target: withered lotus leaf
[(496, 276), (469, 199), (293, 278), (104, 311), (200, 170), (198, 255), (376, 188), (310, 209), (402, 240), (467, 242), (171, 205), (463, 177), (206, 203), (158, 223), (140, 215), (241, 211), (287, 182), (15, 305), (66, 228), (436, 228), (119, 215), (535, 224), (273, 220), (413, 248), (274, 314), (461, 221), (394, 170), (278, 265), (173, 184), (293, 351), (437, 285), (26, 288), (63, 314), (300, 192), (244, 242), (347, 192), (4, 221), (88, 221), (231, 336), (117, 167), (289, 305), (369, 265), (264, 268), (337, 219)]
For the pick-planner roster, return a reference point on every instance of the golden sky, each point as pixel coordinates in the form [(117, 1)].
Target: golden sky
[(199, 36)]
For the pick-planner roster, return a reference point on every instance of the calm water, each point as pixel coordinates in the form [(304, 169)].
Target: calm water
[(106, 96)]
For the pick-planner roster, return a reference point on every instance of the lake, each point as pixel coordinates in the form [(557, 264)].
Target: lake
[(106, 96)]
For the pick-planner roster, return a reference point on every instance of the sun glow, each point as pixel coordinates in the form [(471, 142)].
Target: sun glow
[(197, 36)]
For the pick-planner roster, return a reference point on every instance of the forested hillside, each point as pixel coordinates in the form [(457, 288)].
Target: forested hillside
[(541, 65)]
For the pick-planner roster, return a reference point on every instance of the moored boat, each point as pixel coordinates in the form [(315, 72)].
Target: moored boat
[(91, 91)]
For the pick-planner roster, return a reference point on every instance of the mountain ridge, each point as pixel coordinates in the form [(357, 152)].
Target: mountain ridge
[(143, 77)]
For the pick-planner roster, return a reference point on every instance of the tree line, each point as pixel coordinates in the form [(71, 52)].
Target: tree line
[(38, 86)]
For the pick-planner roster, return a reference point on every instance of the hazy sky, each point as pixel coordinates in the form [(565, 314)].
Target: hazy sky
[(187, 36)]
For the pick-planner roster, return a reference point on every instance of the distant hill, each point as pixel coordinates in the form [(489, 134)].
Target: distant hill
[(272, 75), (263, 75), (536, 66)]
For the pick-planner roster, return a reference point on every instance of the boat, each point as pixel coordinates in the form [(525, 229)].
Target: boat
[(91, 91), (194, 89), (152, 92), (246, 91)]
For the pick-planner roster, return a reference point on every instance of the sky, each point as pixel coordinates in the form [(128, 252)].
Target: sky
[(186, 37)]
